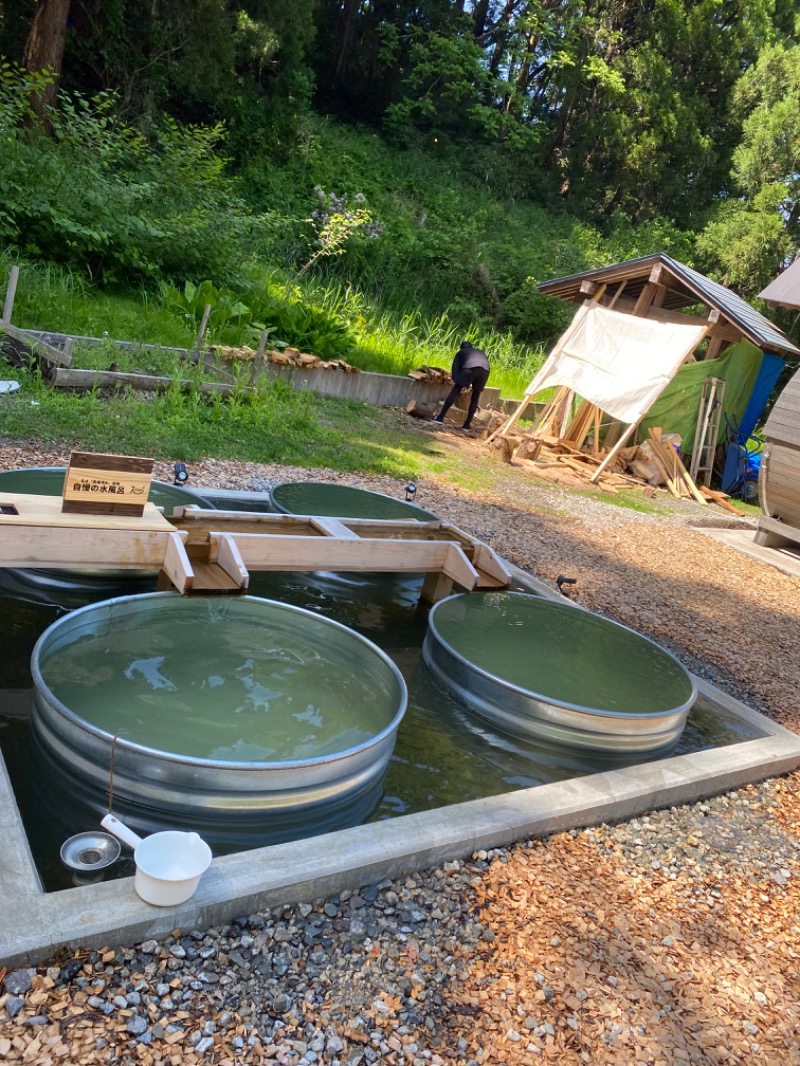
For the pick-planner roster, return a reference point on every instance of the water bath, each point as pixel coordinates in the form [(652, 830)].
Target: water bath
[(452, 787), (550, 671), (443, 755), (342, 501)]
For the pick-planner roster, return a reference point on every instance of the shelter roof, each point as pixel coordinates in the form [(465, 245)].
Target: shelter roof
[(784, 291), (684, 288)]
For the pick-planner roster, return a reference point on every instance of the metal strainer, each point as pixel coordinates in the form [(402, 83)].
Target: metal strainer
[(90, 852)]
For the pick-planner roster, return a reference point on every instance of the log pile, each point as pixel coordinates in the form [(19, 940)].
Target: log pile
[(434, 374), (558, 460), (282, 357), (566, 450)]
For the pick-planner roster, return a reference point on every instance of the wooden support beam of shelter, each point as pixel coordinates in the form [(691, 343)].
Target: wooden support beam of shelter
[(720, 329)]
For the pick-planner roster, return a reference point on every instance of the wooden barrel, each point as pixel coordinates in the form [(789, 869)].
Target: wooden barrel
[(779, 481)]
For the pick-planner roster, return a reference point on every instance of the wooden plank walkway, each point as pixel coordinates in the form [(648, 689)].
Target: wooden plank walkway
[(203, 551)]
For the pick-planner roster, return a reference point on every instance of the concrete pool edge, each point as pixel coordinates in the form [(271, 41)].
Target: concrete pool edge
[(111, 914), (37, 925)]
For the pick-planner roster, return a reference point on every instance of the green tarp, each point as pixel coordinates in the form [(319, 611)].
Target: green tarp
[(675, 410)]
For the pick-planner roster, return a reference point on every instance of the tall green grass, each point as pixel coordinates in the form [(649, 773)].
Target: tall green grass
[(56, 299), (387, 342)]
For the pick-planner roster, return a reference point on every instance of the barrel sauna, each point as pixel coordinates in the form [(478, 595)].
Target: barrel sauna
[(779, 480)]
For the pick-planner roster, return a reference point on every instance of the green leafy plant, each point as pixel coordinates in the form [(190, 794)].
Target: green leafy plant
[(190, 302)]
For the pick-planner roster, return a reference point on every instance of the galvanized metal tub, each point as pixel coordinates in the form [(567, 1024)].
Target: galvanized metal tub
[(70, 587), (553, 672), (238, 799), (343, 501)]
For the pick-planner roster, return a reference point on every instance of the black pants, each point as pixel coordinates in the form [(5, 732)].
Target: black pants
[(474, 378)]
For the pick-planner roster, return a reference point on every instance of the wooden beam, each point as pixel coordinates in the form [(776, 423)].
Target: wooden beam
[(88, 379), (332, 527), (201, 520), (379, 556), (645, 299), (616, 296), (722, 499), (11, 291), (82, 548), (658, 314), (41, 348), (34, 510)]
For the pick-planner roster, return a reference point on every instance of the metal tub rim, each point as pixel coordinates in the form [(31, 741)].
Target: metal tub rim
[(413, 510), (132, 748), (578, 709)]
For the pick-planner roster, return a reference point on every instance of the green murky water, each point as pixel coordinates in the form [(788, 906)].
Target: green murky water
[(442, 755), (566, 654), (240, 682)]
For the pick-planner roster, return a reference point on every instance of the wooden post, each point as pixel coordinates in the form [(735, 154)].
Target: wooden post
[(435, 587), (613, 453), (201, 333), (258, 358), (11, 292)]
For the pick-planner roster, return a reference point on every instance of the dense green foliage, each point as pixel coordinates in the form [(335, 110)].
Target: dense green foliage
[(318, 169)]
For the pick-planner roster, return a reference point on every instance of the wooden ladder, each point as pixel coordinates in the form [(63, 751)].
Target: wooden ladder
[(707, 430)]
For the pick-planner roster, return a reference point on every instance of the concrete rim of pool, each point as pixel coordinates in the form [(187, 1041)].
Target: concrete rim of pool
[(110, 913)]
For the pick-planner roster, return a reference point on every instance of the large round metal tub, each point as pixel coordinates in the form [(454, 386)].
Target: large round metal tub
[(553, 672), (70, 587), (342, 501), (249, 720)]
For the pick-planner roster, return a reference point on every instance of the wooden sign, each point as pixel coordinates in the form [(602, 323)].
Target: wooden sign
[(107, 484)]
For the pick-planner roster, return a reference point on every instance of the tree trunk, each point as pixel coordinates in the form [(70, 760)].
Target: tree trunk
[(44, 49)]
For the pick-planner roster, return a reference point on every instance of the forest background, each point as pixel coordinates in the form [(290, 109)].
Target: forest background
[(375, 180)]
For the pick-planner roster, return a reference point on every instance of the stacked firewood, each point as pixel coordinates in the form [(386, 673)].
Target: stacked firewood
[(434, 374), (282, 357), (557, 459), (654, 466)]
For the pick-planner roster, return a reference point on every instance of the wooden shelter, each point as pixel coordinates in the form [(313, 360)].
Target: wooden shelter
[(779, 479), (656, 289)]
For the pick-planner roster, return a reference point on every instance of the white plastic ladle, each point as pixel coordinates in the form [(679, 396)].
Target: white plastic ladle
[(169, 865)]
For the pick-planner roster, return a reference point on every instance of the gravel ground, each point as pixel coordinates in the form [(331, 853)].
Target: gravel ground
[(668, 939)]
